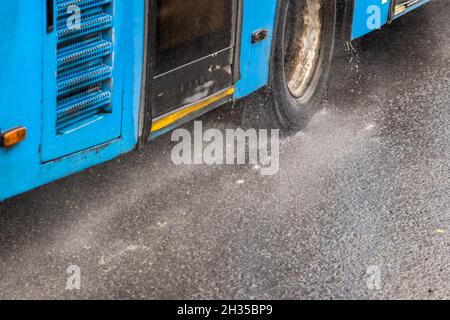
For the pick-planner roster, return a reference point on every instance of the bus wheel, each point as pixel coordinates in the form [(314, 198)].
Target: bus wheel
[(303, 48)]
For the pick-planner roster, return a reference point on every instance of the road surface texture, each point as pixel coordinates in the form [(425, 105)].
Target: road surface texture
[(365, 187)]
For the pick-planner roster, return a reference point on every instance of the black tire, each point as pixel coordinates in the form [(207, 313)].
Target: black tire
[(294, 111)]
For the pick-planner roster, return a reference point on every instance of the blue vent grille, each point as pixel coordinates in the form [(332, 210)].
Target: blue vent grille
[(82, 105), (64, 6), (84, 55), (83, 52)]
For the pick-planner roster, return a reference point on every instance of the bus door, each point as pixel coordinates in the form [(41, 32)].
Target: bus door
[(193, 52)]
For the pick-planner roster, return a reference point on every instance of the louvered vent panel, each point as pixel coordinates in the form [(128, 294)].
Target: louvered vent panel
[(84, 53)]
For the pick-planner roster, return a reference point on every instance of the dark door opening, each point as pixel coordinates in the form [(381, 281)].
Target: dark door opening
[(192, 52)]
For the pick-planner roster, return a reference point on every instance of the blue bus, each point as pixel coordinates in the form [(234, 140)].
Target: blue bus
[(84, 81)]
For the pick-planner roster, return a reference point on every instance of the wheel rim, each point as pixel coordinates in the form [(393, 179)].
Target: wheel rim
[(303, 38)]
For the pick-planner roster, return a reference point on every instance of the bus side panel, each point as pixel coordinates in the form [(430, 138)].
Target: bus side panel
[(23, 30), (369, 15), (254, 60), (20, 92)]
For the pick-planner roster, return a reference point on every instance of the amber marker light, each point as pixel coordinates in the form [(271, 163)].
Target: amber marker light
[(12, 137)]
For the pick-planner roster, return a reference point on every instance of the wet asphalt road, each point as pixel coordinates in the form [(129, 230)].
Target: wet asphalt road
[(367, 183)]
